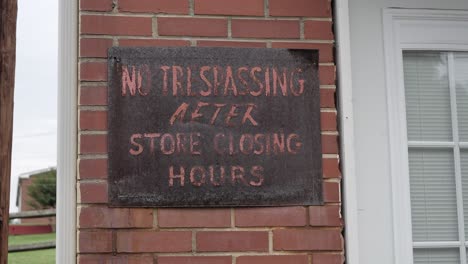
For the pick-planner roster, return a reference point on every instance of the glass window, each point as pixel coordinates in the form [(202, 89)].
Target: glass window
[(436, 91)]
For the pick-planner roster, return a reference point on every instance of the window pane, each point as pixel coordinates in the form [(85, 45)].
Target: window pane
[(427, 96), (437, 256), (461, 81), (433, 197), (464, 171)]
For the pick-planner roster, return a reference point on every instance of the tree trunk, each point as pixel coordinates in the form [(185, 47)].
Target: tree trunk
[(8, 12)]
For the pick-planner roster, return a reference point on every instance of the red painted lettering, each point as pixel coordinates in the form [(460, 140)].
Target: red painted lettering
[(257, 81), (277, 81), (173, 176), (165, 85), (222, 176), (128, 81), (243, 81), (278, 143), (189, 82), (176, 84), (139, 146), (232, 113), (195, 143), (152, 136), (216, 80), (267, 82), (216, 113), (301, 84), (179, 113), (257, 172), (248, 116), (167, 144), (260, 149), (293, 147), (181, 138), (201, 176), (207, 92), (237, 174), (246, 143), (229, 84), (196, 114)]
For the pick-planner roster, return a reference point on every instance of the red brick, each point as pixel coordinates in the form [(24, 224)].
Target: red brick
[(94, 47), (250, 28), (303, 8), (236, 44), (279, 216), (331, 168), (90, 95), (96, 5), (120, 259), (229, 7), (93, 120), (93, 192), (232, 241), (104, 217), (279, 259), (93, 144), (93, 168), (331, 192), (310, 239), (323, 258), (325, 215), (116, 25), (95, 241), (194, 218), (154, 241), (195, 260), (327, 98), (329, 144), (93, 71), (153, 42), (325, 49), (328, 121), (318, 30), (327, 75), (155, 6), (203, 27)]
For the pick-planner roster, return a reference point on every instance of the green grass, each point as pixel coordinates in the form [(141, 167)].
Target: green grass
[(28, 239), (45, 256)]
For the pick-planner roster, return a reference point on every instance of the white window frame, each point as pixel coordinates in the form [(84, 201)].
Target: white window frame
[(411, 29)]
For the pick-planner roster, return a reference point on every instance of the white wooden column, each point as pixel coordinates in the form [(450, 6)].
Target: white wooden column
[(67, 131)]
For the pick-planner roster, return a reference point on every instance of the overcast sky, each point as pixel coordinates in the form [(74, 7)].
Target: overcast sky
[(35, 114)]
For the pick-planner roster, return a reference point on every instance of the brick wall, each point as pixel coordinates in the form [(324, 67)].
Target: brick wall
[(181, 236)]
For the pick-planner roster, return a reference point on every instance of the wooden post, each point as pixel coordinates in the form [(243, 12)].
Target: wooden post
[(8, 12)]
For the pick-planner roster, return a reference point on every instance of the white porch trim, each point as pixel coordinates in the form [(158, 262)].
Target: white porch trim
[(67, 131), (345, 108)]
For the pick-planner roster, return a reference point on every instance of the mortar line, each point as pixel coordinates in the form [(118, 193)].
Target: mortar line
[(185, 37), (191, 8), (192, 15), (229, 22), (154, 27), (301, 29)]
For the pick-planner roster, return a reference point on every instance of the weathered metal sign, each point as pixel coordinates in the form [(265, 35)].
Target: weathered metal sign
[(211, 127)]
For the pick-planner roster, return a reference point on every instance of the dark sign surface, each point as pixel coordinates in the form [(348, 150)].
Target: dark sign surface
[(211, 127)]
